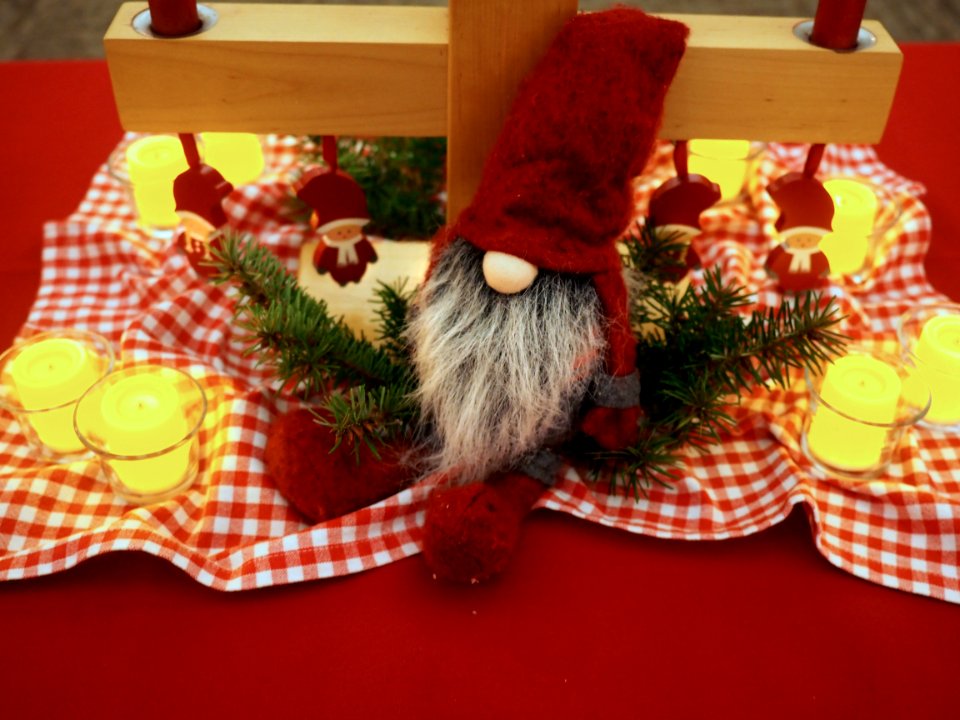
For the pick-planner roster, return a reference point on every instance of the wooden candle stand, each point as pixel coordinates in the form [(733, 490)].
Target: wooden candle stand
[(429, 71)]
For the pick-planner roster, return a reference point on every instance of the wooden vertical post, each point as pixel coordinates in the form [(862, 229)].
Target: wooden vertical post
[(492, 45)]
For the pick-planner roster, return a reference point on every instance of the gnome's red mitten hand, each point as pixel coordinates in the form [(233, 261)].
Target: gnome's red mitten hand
[(324, 485), (612, 428), (613, 422), (471, 530)]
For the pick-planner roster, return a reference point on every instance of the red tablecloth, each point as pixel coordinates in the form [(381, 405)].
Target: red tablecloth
[(588, 621)]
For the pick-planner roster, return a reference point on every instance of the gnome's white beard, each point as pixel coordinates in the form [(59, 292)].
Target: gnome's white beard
[(500, 375)]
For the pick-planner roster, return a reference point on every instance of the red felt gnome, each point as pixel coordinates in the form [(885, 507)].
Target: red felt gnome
[(339, 215), (521, 332), (520, 335)]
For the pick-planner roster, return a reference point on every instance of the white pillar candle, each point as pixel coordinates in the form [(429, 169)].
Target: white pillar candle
[(855, 212), (153, 163), (397, 262), (722, 161), (237, 156), (142, 414), (938, 350), (866, 390), (49, 374)]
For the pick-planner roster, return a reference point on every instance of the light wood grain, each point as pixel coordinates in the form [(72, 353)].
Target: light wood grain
[(389, 70), (397, 262), (493, 45), (346, 70), (750, 77)]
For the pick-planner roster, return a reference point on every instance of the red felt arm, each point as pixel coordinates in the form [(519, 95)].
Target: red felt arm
[(621, 356)]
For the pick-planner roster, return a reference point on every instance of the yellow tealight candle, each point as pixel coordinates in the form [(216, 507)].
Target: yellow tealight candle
[(50, 374), (860, 387), (722, 161), (153, 163), (238, 156), (938, 350), (142, 414), (855, 211)]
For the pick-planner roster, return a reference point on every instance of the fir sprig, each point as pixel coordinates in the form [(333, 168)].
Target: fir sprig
[(367, 417), (393, 306), (698, 350), (365, 389), (655, 255)]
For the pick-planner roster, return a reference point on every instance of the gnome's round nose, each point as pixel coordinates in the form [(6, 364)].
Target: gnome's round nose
[(507, 274)]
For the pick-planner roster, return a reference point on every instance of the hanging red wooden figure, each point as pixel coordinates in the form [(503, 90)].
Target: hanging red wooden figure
[(675, 207), (806, 215), (199, 192), (339, 215)]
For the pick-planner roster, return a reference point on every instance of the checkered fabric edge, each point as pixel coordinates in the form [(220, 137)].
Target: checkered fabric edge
[(233, 531)]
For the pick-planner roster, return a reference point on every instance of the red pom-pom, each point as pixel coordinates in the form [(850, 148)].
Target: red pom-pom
[(471, 530), (324, 485)]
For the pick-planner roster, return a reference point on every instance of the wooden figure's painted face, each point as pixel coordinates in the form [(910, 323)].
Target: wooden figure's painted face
[(803, 240), (344, 232)]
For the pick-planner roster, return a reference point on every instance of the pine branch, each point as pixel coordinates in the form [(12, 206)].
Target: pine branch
[(654, 254), (368, 418), (705, 350), (699, 350), (315, 354), (773, 342), (393, 307), (651, 460)]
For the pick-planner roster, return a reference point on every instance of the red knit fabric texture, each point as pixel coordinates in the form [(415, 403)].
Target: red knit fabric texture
[(471, 530), (324, 485), (556, 188)]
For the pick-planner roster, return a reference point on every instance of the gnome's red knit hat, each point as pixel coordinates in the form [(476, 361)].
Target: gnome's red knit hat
[(335, 197), (556, 189)]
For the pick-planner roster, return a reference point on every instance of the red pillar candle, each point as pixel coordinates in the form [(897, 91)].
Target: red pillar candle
[(837, 24), (174, 18)]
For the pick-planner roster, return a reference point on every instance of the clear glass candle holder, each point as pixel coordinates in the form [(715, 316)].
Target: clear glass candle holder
[(725, 162), (143, 423), (146, 166), (864, 212), (860, 407), (41, 380), (930, 340), (237, 156)]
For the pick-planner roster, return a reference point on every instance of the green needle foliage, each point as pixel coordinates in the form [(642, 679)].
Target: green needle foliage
[(364, 388), (403, 179), (699, 351)]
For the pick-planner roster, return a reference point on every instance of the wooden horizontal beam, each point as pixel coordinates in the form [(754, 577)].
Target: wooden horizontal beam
[(298, 69), (382, 70), (752, 78)]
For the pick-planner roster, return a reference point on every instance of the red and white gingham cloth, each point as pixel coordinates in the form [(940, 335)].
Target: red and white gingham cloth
[(233, 531)]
